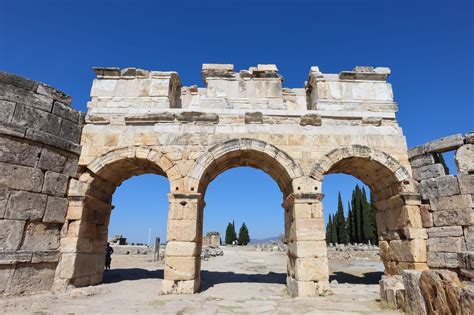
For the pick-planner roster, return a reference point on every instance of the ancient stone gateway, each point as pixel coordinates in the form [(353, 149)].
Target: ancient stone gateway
[(146, 122)]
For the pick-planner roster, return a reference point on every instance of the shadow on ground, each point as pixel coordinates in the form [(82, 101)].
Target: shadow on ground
[(211, 278), (367, 277), (117, 275)]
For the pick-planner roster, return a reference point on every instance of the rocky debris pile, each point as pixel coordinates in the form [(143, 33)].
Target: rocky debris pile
[(271, 247), (428, 292), (353, 251), (211, 251)]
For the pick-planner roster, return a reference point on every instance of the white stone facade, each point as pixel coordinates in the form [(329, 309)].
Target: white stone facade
[(145, 122)]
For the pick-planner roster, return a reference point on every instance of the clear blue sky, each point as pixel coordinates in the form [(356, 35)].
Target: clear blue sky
[(427, 44)]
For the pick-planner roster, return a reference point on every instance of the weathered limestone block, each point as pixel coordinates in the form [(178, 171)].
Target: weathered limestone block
[(55, 184), (310, 268), (439, 187), (469, 236), (32, 278), (426, 216), (67, 112), (466, 183), (183, 230), (464, 159), (16, 152), (409, 250), (445, 231), (414, 233), (23, 205), (445, 144), (451, 202), (253, 118), (307, 230), (446, 244), (304, 249), (182, 267), (41, 237), (422, 160), (56, 208), (414, 297), (306, 288), (29, 117), (174, 248), (310, 120), (441, 291), (6, 273), (392, 291), (21, 177), (180, 286), (11, 234), (428, 171), (75, 265), (443, 260), (198, 117), (462, 217)]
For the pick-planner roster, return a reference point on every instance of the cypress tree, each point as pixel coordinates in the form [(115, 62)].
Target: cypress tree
[(244, 237), (374, 222), (229, 235), (340, 222), (356, 209), (350, 223), (334, 231), (328, 231), (367, 221)]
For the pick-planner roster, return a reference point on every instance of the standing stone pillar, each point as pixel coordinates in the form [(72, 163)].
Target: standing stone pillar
[(183, 249), (308, 273)]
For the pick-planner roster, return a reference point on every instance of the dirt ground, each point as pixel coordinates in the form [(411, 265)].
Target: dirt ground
[(241, 281)]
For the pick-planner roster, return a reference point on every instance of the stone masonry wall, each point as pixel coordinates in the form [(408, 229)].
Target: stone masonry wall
[(39, 151), (447, 203)]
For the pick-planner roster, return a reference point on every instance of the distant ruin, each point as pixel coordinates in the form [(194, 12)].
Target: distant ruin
[(211, 239), (141, 121)]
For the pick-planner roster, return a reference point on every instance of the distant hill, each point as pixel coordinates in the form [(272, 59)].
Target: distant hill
[(265, 240)]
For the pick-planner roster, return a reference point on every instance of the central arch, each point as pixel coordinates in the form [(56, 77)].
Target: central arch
[(86, 229), (402, 239), (303, 216)]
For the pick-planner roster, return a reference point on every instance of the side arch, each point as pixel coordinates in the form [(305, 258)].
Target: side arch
[(133, 160), (375, 168), (402, 238), (90, 205), (244, 152)]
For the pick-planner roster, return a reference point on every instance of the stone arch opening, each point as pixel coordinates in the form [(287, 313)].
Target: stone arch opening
[(219, 158), (90, 204), (402, 239)]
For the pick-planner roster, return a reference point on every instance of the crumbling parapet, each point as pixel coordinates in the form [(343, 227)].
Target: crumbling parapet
[(39, 151), (447, 204)]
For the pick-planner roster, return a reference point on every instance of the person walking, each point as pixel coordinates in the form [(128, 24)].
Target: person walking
[(108, 256)]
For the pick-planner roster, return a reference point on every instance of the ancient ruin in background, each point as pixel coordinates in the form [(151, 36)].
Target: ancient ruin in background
[(142, 121)]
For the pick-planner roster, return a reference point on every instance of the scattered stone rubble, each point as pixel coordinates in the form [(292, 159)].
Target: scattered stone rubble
[(428, 292), (211, 251), (353, 252), (272, 246)]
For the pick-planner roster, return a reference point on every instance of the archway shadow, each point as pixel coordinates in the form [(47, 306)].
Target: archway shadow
[(117, 275), (367, 278), (211, 278)]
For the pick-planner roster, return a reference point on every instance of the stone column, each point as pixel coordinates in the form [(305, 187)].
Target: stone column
[(183, 249), (308, 272)]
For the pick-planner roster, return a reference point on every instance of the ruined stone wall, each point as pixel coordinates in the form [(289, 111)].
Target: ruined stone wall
[(39, 152), (447, 202)]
